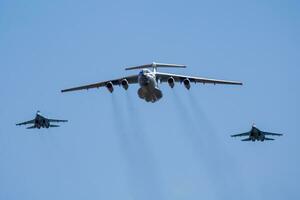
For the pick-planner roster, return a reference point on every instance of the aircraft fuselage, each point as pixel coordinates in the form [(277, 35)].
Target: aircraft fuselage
[(41, 122), (149, 90), (256, 134)]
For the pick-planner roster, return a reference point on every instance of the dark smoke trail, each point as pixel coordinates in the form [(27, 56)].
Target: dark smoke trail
[(217, 158), (145, 161), (142, 173), (188, 127), (123, 141)]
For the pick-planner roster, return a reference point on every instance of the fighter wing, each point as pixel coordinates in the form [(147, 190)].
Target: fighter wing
[(164, 77), (130, 79), (57, 120), (24, 123), (242, 134), (276, 134)]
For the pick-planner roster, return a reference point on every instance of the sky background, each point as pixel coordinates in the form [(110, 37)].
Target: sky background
[(117, 146)]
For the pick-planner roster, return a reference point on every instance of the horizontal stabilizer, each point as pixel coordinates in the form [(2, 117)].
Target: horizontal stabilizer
[(156, 65), (57, 120), (274, 134), (245, 140), (54, 126), (269, 138), (31, 127)]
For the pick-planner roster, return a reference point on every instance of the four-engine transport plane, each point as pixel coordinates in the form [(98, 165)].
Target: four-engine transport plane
[(41, 122), (256, 134), (148, 81)]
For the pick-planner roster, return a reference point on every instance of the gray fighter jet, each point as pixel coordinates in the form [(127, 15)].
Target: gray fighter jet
[(41, 122), (256, 134), (149, 80)]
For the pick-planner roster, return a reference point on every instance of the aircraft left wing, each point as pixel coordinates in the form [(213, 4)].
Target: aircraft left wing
[(25, 123), (164, 77), (57, 120), (130, 79), (242, 134), (276, 134)]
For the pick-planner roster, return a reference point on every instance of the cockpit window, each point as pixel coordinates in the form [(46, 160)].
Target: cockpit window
[(146, 71)]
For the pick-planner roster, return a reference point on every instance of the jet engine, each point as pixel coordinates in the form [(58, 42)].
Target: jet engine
[(125, 84), (110, 87), (171, 82), (187, 83)]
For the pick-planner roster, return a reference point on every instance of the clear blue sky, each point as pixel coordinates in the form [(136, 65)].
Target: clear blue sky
[(116, 146)]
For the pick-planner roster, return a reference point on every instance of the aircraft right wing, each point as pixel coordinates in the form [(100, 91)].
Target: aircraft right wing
[(276, 134), (25, 123), (130, 79), (164, 77), (242, 134)]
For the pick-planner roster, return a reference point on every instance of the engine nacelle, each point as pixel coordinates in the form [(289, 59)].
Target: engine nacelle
[(187, 83), (125, 84), (110, 87), (171, 82)]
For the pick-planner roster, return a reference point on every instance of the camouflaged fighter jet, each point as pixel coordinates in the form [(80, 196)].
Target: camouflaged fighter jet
[(149, 80), (256, 134), (41, 122)]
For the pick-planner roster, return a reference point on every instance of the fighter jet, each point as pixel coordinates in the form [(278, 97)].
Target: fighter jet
[(256, 134), (149, 80), (41, 122)]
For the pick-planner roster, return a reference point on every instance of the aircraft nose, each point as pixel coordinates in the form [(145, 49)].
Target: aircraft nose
[(142, 73)]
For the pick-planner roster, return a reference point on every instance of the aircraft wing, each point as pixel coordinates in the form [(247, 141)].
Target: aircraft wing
[(131, 80), (57, 120), (25, 123), (242, 134), (163, 77), (276, 134)]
